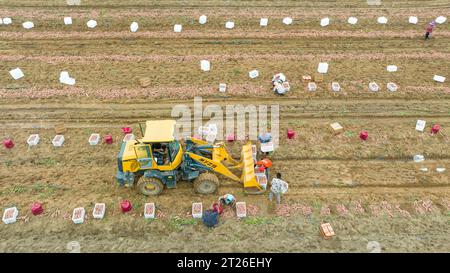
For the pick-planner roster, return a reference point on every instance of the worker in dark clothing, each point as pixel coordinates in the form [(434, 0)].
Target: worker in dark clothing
[(429, 30)]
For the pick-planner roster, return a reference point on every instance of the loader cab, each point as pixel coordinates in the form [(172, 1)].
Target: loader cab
[(157, 150)]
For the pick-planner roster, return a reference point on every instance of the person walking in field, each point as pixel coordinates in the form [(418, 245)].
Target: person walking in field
[(429, 29), (278, 188)]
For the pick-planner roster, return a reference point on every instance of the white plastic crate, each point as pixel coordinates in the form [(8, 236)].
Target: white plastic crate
[(78, 215), (241, 209), (373, 86), (253, 74), (222, 87), (413, 20), (58, 140), (322, 68), (7, 21), (128, 137), (439, 78), (336, 127), (263, 22), (325, 22), (267, 147), (391, 68), (420, 125), (335, 86), (177, 28), (94, 139), (205, 65), (197, 210), (392, 86), (202, 19), (16, 73), (441, 19), (149, 210), (382, 20), (287, 20), (211, 137), (99, 211), (262, 179), (418, 158), (229, 25), (67, 20), (312, 86), (134, 27), (254, 152), (33, 140), (352, 20), (10, 215)]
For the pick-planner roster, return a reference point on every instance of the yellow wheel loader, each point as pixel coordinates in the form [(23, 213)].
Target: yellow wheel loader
[(158, 160)]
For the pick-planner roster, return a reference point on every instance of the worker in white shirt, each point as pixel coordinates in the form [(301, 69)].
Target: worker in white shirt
[(278, 188)]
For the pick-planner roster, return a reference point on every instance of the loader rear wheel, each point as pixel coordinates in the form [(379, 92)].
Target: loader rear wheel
[(206, 183), (150, 185)]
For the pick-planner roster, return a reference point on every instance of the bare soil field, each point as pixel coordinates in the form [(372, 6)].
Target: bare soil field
[(368, 190)]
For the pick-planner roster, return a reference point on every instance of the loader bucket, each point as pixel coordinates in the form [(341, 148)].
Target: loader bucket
[(251, 185)]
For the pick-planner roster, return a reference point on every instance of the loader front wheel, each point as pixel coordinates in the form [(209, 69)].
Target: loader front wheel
[(150, 186), (206, 183)]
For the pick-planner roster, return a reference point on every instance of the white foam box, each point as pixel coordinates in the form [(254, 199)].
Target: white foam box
[(263, 22), (420, 125), (10, 215), (177, 28), (287, 20), (128, 137), (439, 78), (373, 86), (229, 25), (16, 73), (262, 180), (336, 127), (33, 140), (413, 20), (78, 215), (99, 211), (335, 86), (205, 65), (94, 139), (202, 19), (149, 211), (267, 147), (58, 140), (322, 68), (392, 86), (253, 74), (241, 209), (197, 210), (312, 86), (67, 20), (222, 87)]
